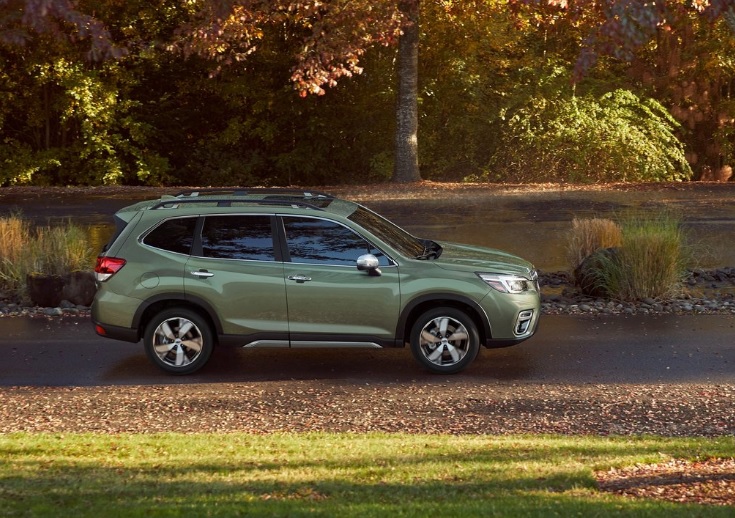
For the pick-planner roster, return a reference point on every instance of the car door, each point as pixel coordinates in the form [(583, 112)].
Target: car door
[(330, 301), (236, 270)]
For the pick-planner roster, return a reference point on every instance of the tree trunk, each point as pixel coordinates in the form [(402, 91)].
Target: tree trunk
[(406, 167)]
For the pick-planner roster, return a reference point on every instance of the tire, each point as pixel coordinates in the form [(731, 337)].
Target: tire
[(445, 340), (178, 340)]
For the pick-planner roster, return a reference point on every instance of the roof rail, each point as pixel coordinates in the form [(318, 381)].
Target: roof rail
[(170, 202), (245, 191)]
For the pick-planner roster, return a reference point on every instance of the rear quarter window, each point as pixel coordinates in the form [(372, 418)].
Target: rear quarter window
[(173, 235)]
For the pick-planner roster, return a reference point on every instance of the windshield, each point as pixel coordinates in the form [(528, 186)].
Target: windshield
[(395, 236)]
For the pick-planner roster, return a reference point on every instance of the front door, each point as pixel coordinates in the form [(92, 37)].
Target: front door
[(329, 300)]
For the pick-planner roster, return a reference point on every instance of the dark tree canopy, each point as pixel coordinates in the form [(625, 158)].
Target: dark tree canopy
[(164, 91)]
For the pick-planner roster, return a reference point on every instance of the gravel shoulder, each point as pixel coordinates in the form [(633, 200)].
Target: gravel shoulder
[(446, 405)]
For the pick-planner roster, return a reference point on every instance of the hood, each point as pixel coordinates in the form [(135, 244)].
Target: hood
[(480, 259)]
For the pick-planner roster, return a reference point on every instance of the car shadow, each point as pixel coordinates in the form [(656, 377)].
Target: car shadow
[(358, 366)]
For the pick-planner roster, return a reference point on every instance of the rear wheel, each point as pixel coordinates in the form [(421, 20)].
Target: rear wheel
[(178, 341), (445, 340)]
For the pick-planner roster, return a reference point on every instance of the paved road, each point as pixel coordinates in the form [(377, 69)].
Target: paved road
[(567, 349)]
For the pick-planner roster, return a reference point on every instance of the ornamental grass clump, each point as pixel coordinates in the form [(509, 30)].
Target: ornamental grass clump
[(14, 232), (652, 259), (47, 250), (590, 235), (60, 250), (649, 262)]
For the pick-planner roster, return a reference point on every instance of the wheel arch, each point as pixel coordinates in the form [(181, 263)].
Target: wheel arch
[(154, 305), (420, 305)]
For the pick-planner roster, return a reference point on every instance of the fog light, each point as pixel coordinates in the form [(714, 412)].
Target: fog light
[(524, 322)]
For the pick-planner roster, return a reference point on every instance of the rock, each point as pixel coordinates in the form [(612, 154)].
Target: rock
[(45, 290), (78, 288)]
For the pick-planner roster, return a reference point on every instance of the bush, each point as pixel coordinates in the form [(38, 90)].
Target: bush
[(45, 250), (555, 136), (649, 262), (14, 233)]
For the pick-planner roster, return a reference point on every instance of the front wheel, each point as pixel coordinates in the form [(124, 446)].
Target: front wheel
[(178, 341), (445, 340)]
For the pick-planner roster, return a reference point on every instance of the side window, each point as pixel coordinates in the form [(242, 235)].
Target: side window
[(238, 237), (318, 241), (174, 235)]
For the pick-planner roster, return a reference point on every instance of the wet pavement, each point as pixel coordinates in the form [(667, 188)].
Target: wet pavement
[(576, 350), (567, 349)]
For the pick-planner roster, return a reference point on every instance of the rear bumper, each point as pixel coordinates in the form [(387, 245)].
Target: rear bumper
[(124, 334)]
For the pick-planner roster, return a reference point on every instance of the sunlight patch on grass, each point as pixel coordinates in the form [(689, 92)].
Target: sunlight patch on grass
[(326, 474)]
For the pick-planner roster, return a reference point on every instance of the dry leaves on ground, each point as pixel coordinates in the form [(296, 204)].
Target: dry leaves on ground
[(705, 482)]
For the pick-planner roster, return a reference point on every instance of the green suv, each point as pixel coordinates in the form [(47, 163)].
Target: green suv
[(284, 268)]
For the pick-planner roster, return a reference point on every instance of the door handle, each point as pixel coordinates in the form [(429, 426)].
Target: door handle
[(202, 274), (299, 278)]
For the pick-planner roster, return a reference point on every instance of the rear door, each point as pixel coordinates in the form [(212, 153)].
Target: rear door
[(236, 271)]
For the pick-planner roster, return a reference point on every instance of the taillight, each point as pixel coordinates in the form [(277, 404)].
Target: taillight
[(106, 267)]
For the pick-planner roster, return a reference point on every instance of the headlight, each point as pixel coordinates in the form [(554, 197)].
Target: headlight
[(508, 283)]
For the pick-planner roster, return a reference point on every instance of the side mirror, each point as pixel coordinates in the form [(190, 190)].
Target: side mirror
[(369, 263)]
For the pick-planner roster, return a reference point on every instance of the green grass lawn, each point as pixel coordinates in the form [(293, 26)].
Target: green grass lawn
[(330, 475)]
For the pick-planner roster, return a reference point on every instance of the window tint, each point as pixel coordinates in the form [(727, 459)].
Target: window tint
[(317, 241), (174, 235), (238, 237)]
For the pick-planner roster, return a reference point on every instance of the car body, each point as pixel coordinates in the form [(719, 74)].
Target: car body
[(285, 268)]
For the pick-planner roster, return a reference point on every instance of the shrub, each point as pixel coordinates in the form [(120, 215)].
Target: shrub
[(649, 262), (555, 136), (44, 250)]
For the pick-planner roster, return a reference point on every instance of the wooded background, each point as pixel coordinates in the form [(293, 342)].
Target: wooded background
[(165, 92)]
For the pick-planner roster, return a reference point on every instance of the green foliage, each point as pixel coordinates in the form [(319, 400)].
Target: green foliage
[(469, 60), (45, 250), (649, 261), (83, 131), (615, 137), (495, 98)]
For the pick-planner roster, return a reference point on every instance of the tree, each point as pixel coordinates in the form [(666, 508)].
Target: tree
[(624, 26), (65, 117), (23, 20), (323, 41), (679, 51), (406, 164), (335, 36)]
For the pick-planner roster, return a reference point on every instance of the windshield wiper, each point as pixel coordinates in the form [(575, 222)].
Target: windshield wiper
[(432, 250)]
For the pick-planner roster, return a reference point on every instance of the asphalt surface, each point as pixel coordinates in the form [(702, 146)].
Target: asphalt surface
[(576, 350)]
